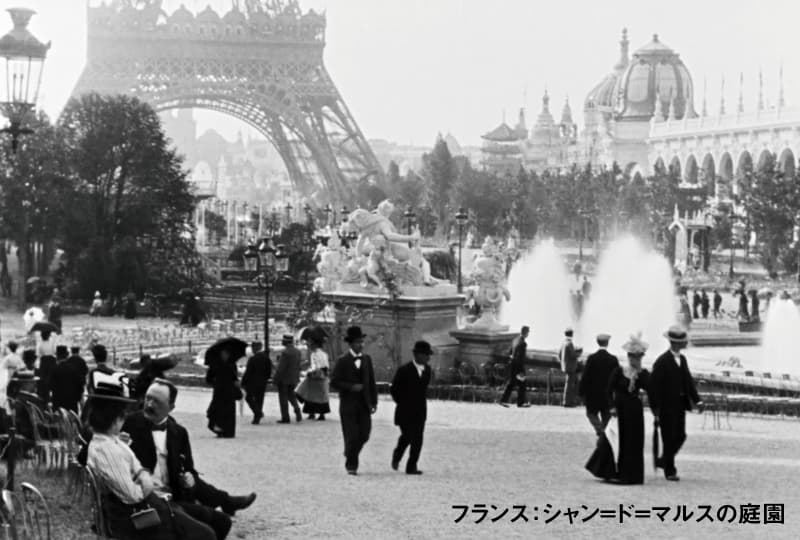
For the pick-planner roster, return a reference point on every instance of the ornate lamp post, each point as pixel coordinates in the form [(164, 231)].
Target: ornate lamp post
[(330, 214), (461, 219), (344, 213), (409, 216), (21, 61), (271, 264)]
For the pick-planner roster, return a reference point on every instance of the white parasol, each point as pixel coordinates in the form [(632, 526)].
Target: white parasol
[(32, 316)]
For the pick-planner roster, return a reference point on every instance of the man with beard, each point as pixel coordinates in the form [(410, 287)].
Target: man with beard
[(162, 446)]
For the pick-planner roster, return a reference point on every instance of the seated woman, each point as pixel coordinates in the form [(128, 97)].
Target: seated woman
[(624, 387), (125, 485)]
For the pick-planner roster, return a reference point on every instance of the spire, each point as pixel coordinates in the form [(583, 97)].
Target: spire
[(521, 121), (781, 101), (705, 106), (741, 93), (545, 102), (623, 51), (760, 90), (566, 113), (658, 115), (671, 106), (722, 97)]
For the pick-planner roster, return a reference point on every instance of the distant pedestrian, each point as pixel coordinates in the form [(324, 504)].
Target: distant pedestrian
[(717, 304), (130, 306), (696, 303), (409, 388), (755, 309), (704, 303), (568, 356), (354, 377), (54, 311), (516, 369), (286, 378), (313, 392), (46, 353), (97, 305), (255, 379), (586, 287), (593, 387), (67, 391)]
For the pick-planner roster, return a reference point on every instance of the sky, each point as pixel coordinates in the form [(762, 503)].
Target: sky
[(410, 69)]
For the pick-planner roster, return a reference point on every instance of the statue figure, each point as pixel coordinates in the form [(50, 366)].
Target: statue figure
[(375, 229), (375, 263), (470, 241), (488, 274), (332, 264)]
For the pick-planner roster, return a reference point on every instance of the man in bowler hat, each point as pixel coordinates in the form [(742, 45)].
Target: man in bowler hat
[(354, 378), (287, 377), (672, 392), (254, 381), (593, 386), (409, 388), (568, 357), (516, 371)]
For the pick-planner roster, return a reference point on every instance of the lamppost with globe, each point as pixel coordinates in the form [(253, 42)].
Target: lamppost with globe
[(271, 263), (24, 57)]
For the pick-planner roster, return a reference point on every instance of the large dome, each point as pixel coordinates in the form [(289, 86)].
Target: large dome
[(603, 96), (654, 70)]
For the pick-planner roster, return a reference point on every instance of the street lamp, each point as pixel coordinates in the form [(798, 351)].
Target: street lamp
[(22, 57), (461, 219), (410, 216), (344, 212), (271, 264), (329, 213)]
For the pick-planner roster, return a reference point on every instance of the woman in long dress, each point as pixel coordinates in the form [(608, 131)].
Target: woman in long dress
[(223, 378), (313, 391), (624, 387)]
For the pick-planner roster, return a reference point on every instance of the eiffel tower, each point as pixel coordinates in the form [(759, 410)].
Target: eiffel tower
[(262, 62)]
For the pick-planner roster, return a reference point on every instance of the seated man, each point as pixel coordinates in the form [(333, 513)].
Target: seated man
[(162, 446)]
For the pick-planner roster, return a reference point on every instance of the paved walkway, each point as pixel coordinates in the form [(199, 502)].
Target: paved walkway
[(484, 454)]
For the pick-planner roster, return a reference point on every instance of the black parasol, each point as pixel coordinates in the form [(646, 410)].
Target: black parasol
[(313, 333), (45, 326), (235, 347)]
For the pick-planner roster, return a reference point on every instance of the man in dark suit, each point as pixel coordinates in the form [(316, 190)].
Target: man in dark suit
[(593, 386), (67, 383), (354, 378), (409, 388), (287, 377), (568, 357), (672, 392), (516, 369), (100, 355), (162, 446), (254, 381)]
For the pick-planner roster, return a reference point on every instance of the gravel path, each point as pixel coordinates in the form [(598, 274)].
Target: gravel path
[(484, 454)]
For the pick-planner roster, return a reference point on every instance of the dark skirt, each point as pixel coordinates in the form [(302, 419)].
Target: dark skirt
[(221, 414)]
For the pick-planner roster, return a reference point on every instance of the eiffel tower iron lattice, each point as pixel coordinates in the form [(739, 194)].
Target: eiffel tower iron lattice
[(262, 62)]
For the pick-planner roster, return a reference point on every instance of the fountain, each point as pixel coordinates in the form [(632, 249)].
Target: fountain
[(781, 338), (632, 291), (540, 297)]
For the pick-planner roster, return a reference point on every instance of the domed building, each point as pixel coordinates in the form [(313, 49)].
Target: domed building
[(618, 111)]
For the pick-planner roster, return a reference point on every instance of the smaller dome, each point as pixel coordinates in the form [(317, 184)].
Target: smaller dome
[(234, 17), (208, 15), (181, 15)]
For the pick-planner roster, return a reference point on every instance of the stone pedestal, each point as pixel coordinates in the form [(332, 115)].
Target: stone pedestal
[(480, 346), (393, 329)]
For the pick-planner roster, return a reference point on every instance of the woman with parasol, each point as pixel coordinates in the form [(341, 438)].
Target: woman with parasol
[(222, 376), (150, 370), (313, 391), (619, 456)]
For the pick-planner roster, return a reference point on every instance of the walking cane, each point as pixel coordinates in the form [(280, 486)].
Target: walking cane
[(655, 443)]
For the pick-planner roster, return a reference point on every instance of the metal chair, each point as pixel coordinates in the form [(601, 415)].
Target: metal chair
[(500, 371), (37, 513), (467, 374), (100, 525)]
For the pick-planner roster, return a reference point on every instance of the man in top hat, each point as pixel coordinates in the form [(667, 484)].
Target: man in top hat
[(568, 356), (672, 392), (516, 371), (286, 379), (100, 355), (66, 387), (254, 381), (594, 384), (354, 378), (408, 390)]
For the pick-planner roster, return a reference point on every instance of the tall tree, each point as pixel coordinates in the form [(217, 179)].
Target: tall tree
[(129, 225), (440, 173), (772, 200)]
